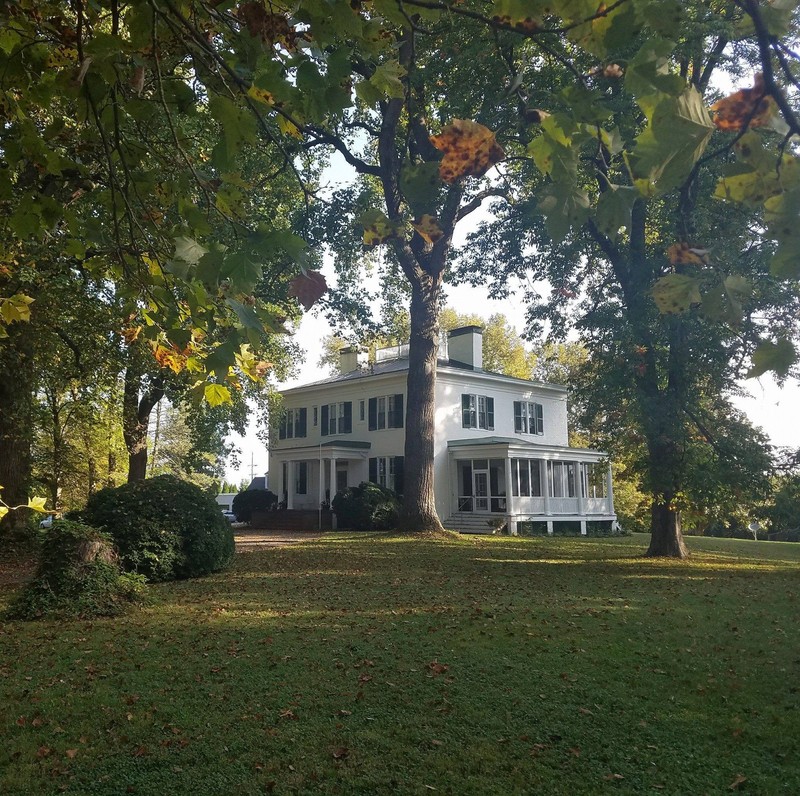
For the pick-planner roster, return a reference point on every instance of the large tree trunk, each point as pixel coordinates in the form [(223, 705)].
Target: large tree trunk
[(419, 503), (136, 419), (17, 376), (666, 538)]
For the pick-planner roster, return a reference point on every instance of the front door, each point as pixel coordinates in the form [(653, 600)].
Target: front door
[(480, 489)]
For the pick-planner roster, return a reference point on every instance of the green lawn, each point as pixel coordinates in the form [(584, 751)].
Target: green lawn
[(366, 664)]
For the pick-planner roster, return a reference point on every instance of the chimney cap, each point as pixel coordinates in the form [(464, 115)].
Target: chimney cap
[(465, 330)]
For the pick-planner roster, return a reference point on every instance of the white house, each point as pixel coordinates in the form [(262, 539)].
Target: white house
[(501, 453)]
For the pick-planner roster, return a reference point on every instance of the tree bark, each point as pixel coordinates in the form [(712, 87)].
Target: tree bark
[(666, 538), (17, 377), (136, 419), (419, 504)]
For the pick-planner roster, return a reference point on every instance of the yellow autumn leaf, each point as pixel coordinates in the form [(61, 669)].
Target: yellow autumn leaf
[(428, 228), (470, 150)]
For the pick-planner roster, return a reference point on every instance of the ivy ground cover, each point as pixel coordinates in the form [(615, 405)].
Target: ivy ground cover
[(375, 664)]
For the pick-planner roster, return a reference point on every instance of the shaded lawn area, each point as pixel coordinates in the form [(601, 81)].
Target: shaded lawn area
[(370, 664)]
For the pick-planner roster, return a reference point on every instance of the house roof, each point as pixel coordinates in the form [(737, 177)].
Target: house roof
[(445, 367), (486, 442), (259, 482)]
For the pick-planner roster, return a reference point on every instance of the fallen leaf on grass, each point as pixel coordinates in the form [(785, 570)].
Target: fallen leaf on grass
[(437, 668), (739, 780), (70, 753), (342, 753), (287, 713), (585, 712), (612, 777)]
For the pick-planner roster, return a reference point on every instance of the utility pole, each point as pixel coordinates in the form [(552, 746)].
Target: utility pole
[(252, 468)]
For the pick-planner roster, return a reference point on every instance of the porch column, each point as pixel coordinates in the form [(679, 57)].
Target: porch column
[(321, 488), (332, 488), (290, 484), (512, 523), (546, 491), (333, 477), (580, 485), (610, 490)]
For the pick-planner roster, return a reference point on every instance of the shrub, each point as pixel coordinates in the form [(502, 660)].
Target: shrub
[(245, 503), (163, 527), (366, 507), (79, 575)]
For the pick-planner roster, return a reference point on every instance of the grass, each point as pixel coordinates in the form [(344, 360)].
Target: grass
[(370, 665)]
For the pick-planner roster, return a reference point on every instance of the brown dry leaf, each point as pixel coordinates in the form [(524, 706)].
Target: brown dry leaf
[(738, 781), (438, 668), (141, 751), (270, 28), (70, 753), (612, 777), (428, 228), (43, 751), (470, 150), (308, 288), (747, 106), (169, 358), (341, 753), (684, 254), (585, 712), (287, 713)]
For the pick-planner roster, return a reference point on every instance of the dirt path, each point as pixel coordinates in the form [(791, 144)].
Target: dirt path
[(248, 540)]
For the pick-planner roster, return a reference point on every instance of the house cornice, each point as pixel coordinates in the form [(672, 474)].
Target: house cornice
[(444, 372)]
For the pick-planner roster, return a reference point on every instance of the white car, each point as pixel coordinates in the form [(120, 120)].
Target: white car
[(47, 522), (229, 515)]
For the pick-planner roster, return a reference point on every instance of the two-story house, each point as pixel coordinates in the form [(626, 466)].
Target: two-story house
[(500, 453)]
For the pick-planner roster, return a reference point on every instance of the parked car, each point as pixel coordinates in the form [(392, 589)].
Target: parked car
[(229, 515), (47, 522)]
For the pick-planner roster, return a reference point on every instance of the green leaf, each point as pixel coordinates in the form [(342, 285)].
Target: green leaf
[(216, 394), (246, 314), (387, 78), (564, 207), (778, 357), (674, 139), (613, 211), (16, 308), (421, 184), (649, 72), (676, 293), (242, 271)]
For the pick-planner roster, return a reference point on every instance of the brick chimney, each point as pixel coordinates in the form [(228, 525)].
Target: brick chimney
[(465, 347)]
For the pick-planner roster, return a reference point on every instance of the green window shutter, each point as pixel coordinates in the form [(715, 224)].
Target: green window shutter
[(346, 422), (490, 414), (539, 419), (302, 423), (323, 426), (373, 469), (373, 414), (398, 411)]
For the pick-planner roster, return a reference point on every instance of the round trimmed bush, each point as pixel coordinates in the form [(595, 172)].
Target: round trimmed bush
[(366, 507), (79, 575), (250, 500), (164, 528)]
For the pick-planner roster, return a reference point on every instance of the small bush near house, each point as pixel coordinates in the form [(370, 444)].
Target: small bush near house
[(79, 575), (366, 507), (250, 500), (164, 528), (532, 528)]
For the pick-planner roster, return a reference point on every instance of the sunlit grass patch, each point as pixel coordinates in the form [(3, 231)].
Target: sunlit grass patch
[(380, 664)]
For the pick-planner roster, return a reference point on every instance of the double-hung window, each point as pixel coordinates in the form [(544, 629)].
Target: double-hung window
[(386, 411), (528, 418), (336, 418), (293, 424), (477, 411), (387, 471)]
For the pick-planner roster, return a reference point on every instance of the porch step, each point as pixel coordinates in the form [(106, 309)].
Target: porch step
[(469, 522)]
